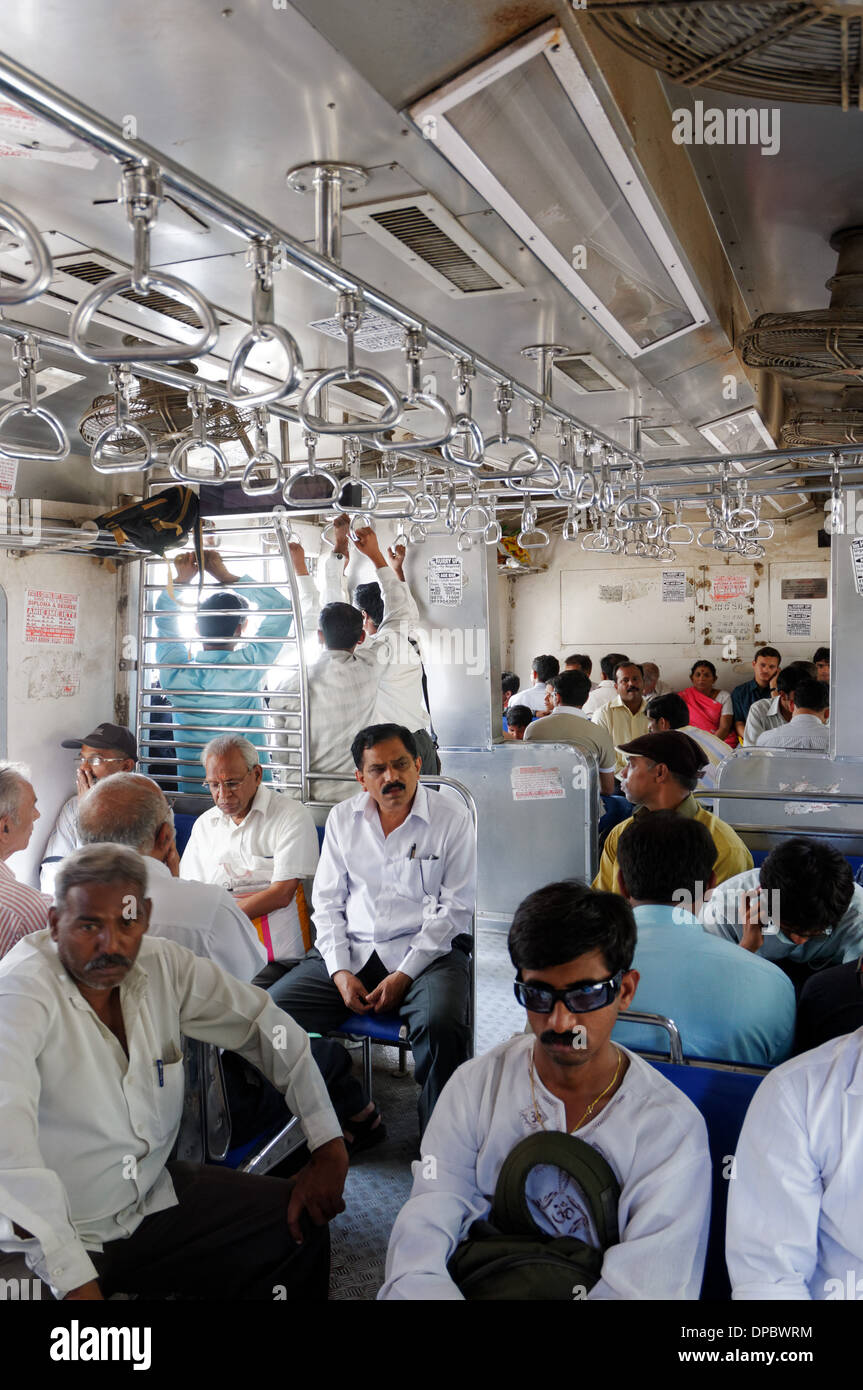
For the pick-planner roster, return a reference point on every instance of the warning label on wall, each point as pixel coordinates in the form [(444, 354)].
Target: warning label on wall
[(536, 783), (50, 616), (445, 580), (726, 586)]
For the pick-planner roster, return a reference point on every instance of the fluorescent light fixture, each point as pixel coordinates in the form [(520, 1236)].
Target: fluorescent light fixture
[(527, 130), (424, 234), (744, 432)]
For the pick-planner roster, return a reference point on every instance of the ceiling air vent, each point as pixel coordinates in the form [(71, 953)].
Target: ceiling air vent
[(94, 274), (421, 232), (662, 437), (587, 374)]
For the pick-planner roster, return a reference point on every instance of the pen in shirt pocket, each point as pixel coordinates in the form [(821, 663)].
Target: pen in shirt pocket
[(160, 1070)]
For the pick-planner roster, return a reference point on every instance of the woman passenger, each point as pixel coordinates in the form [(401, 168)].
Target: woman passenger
[(709, 708)]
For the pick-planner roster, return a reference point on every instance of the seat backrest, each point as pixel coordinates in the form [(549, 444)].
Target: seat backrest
[(722, 1097)]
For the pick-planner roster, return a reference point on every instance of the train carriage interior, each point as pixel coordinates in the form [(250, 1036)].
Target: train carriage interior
[(561, 298)]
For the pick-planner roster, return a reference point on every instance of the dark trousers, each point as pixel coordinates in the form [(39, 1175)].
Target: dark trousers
[(428, 752), (256, 1106), (227, 1239), (435, 1010)]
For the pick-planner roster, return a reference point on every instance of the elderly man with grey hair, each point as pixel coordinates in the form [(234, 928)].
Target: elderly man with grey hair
[(258, 844), (91, 1016), (22, 909), (129, 809)]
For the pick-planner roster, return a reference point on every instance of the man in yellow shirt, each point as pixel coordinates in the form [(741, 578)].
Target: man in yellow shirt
[(660, 775), (624, 717)]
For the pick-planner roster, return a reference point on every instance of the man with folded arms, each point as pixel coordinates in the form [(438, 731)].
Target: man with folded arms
[(91, 1013)]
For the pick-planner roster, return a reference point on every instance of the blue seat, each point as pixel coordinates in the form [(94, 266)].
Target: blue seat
[(183, 823), (388, 1029), (722, 1097)]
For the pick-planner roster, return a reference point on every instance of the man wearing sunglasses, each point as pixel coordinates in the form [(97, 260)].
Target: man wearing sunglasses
[(572, 949), (108, 749)]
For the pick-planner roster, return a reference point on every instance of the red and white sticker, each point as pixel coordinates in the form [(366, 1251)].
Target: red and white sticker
[(536, 784), (51, 617)]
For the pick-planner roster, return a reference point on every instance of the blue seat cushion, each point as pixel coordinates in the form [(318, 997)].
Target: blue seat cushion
[(383, 1028)]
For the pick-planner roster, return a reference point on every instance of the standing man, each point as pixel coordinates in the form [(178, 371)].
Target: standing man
[(625, 716), (22, 909), (764, 667), (257, 843), (393, 897), (195, 682), (108, 749)]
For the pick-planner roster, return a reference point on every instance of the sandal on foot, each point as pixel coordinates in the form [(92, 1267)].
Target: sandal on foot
[(365, 1134)]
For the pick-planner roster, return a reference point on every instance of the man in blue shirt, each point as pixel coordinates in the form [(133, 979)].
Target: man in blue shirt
[(194, 682), (729, 1006), (765, 667), (808, 916)]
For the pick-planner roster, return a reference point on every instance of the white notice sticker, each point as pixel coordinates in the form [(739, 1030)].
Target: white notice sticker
[(674, 586), (445, 580), (50, 616), (798, 620), (857, 563), (536, 784), (8, 476)]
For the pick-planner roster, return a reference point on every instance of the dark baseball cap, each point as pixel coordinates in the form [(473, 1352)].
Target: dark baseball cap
[(677, 751), (107, 736)]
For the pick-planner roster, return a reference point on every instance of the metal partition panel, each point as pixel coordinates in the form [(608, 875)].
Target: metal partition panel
[(535, 826), (792, 793), (846, 652), (455, 593)]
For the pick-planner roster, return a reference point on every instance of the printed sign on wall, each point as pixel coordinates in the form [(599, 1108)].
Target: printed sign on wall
[(50, 616)]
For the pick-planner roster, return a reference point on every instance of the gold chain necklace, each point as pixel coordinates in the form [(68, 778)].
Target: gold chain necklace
[(593, 1104)]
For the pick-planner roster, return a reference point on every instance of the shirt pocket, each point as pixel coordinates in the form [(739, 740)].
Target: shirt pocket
[(419, 878), (169, 1093)]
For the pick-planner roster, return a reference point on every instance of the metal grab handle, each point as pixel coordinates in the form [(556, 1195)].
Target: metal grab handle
[(604, 498), (398, 494), (366, 491), (336, 485), (178, 456), (627, 512), (755, 534), (535, 539), (417, 533), (264, 458), (36, 251), (465, 428), (493, 532), (284, 524), (343, 376), (526, 446), (291, 378), (126, 463), (431, 402), (424, 500), (156, 352), (480, 529), (464, 540), (745, 527), (31, 451), (532, 482), (570, 528), (678, 526)]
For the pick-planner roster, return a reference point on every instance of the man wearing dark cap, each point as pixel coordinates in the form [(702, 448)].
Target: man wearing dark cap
[(108, 749), (661, 773)]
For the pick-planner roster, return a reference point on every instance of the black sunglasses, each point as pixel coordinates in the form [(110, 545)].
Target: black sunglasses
[(580, 998)]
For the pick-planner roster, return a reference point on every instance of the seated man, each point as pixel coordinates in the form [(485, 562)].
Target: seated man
[(344, 682), (567, 723), (256, 843), (661, 774), (810, 914), (807, 727), (22, 909), (830, 1004), (572, 949), (393, 897), (775, 712), (624, 717), (666, 713), (131, 810), (652, 683), (795, 1209), (87, 1193), (821, 660), (607, 688), (195, 682), (725, 1010), (544, 669), (110, 748), (579, 661), (519, 719), (765, 665)]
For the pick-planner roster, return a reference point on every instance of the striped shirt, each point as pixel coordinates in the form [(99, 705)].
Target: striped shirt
[(22, 910)]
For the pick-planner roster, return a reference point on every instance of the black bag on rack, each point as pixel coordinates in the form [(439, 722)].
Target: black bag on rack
[(164, 520)]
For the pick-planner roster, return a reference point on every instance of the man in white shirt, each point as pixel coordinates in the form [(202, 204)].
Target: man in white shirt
[(652, 684), (567, 723), (544, 669), (108, 749), (671, 712), (256, 843), (607, 688), (393, 896), (795, 1208), (343, 683), (775, 712), (573, 950), (22, 909), (131, 810), (91, 1016), (807, 727)]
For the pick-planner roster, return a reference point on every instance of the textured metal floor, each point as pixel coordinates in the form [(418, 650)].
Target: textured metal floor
[(380, 1180)]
